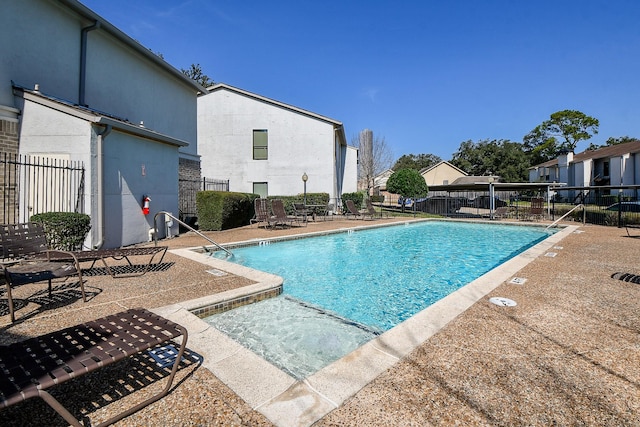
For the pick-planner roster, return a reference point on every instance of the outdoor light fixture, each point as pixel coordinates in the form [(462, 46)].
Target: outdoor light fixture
[(304, 179)]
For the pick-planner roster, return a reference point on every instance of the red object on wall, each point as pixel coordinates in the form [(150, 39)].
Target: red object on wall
[(145, 204)]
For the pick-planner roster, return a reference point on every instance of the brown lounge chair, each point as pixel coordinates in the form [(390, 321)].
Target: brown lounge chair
[(261, 208), (280, 216), (370, 210), (352, 211), (35, 234), (29, 368), (26, 259)]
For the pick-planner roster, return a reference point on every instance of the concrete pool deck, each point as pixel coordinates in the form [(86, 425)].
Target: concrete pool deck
[(566, 354)]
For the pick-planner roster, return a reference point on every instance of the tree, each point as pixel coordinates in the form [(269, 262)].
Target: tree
[(195, 73), (418, 162), (563, 131), (621, 140), (407, 183), (504, 158), (374, 157)]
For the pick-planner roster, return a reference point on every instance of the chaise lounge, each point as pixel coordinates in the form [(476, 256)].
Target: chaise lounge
[(29, 368)]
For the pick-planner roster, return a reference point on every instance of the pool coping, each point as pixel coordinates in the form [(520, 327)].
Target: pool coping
[(286, 401)]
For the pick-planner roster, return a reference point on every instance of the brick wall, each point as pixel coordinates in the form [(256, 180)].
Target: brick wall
[(8, 178), (8, 136)]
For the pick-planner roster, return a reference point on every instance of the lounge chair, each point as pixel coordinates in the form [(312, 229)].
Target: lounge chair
[(26, 259), (29, 368), (372, 211), (536, 211), (502, 212), (280, 216), (35, 233), (262, 215), (352, 211)]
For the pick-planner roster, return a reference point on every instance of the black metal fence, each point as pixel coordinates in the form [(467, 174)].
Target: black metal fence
[(33, 184), (612, 206), (188, 188)]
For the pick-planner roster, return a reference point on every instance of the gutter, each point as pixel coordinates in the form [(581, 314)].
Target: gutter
[(83, 61), (100, 179)]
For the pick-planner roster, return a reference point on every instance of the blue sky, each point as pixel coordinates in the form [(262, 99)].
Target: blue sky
[(425, 75)]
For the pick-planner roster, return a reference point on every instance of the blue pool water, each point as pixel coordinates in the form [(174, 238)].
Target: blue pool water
[(374, 278), (381, 277)]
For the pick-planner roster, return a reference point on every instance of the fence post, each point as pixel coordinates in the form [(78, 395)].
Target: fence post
[(620, 208)]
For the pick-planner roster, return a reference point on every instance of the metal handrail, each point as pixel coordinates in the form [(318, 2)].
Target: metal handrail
[(155, 232), (563, 216)]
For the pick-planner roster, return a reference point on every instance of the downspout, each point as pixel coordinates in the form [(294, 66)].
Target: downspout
[(100, 185), (83, 61)]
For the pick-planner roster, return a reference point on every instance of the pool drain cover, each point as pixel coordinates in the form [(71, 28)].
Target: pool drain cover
[(503, 302)]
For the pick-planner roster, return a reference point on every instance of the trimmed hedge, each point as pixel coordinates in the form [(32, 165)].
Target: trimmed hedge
[(312, 199), (222, 210), (64, 230)]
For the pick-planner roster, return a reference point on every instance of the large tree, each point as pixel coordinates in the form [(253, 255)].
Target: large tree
[(195, 73), (413, 161), (373, 159), (563, 131), (407, 183), (504, 158)]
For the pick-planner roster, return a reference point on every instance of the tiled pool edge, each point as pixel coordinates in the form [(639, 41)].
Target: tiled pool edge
[(287, 402)]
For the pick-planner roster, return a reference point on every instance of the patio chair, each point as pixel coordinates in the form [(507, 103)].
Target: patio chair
[(502, 212), (301, 212), (33, 366), (370, 210), (352, 211), (27, 259), (280, 216), (328, 212), (536, 212), (261, 207)]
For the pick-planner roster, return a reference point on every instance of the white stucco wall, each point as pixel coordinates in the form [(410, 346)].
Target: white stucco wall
[(350, 182), (120, 82), (135, 167), (296, 144), (132, 167), (40, 44)]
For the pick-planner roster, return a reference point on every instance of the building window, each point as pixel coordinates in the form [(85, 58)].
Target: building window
[(260, 188), (605, 167), (260, 144)]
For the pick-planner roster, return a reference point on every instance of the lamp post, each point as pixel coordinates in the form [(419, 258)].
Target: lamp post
[(304, 179)]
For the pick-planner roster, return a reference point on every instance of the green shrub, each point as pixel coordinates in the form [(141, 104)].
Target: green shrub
[(312, 199), (222, 210), (64, 230), (377, 199)]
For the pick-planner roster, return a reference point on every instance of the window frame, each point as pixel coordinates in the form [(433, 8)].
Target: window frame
[(260, 147)]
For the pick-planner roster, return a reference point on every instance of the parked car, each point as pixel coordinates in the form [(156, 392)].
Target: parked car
[(441, 204), (483, 202), (408, 202), (625, 207)]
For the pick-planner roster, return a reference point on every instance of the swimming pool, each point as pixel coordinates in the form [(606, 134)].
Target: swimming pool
[(374, 278)]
